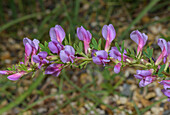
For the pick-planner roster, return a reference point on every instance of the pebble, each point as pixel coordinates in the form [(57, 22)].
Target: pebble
[(147, 113), (7, 61), (167, 112), (53, 90), (94, 24), (150, 95), (158, 91), (123, 100), (156, 110), (126, 90), (5, 55), (133, 87), (82, 110), (41, 110), (101, 112)]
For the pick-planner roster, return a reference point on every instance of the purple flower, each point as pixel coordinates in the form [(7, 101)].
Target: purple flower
[(67, 54), (41, 58), (116, 54), (93, 52), (84, 35), (117, 67), (109, 35), (6, 72), (166, 84), (16, 76), (55, 47), (54, 69), (139, 38), (57, 34), (145, 76), (164, 47), (101, 57), (167, 93), (31, 48)]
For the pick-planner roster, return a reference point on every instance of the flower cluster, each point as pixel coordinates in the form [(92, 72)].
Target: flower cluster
[(56, 55)]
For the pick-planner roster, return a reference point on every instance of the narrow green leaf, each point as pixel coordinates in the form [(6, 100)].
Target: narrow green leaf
[(99, 44), (80, 47), (116, 44), (161, 69), (123, 47), (94, 43)]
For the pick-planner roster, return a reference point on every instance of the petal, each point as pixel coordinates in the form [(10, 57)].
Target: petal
[(168, 48), (166, 83), (44, 61), (53, 34), (89, 36), (111, 33), (166, 92), (36, 43), (16, 76), (97, 60), (28, 49), (69, 49), (145, 38), (51, 69), (56, 74), (163, 45), (115, 53), (102, 54), (27, 40), (134, 36), (117, 68), (59, 33), (79, 34), (144, 72), (138, 77), (53, 47), (5, 72), (36, 59), (93, 52), (104, 32), (43, 54), (63, 56)]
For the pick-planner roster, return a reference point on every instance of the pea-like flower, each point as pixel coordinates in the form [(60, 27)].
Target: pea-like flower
[(67, 54), (117, 67), (85, 36), (167, 93), (16, 76), (40, 58), (165, 51), (31, 48), (54, 69), (166, 84), (166, 89), (139, 38), (57, 34), (109, 35), (101, 57), (55, 47), (6, 72), (145, 76), (114, 52)]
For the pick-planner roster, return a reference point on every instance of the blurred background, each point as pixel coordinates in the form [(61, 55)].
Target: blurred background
[(93, 90)]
